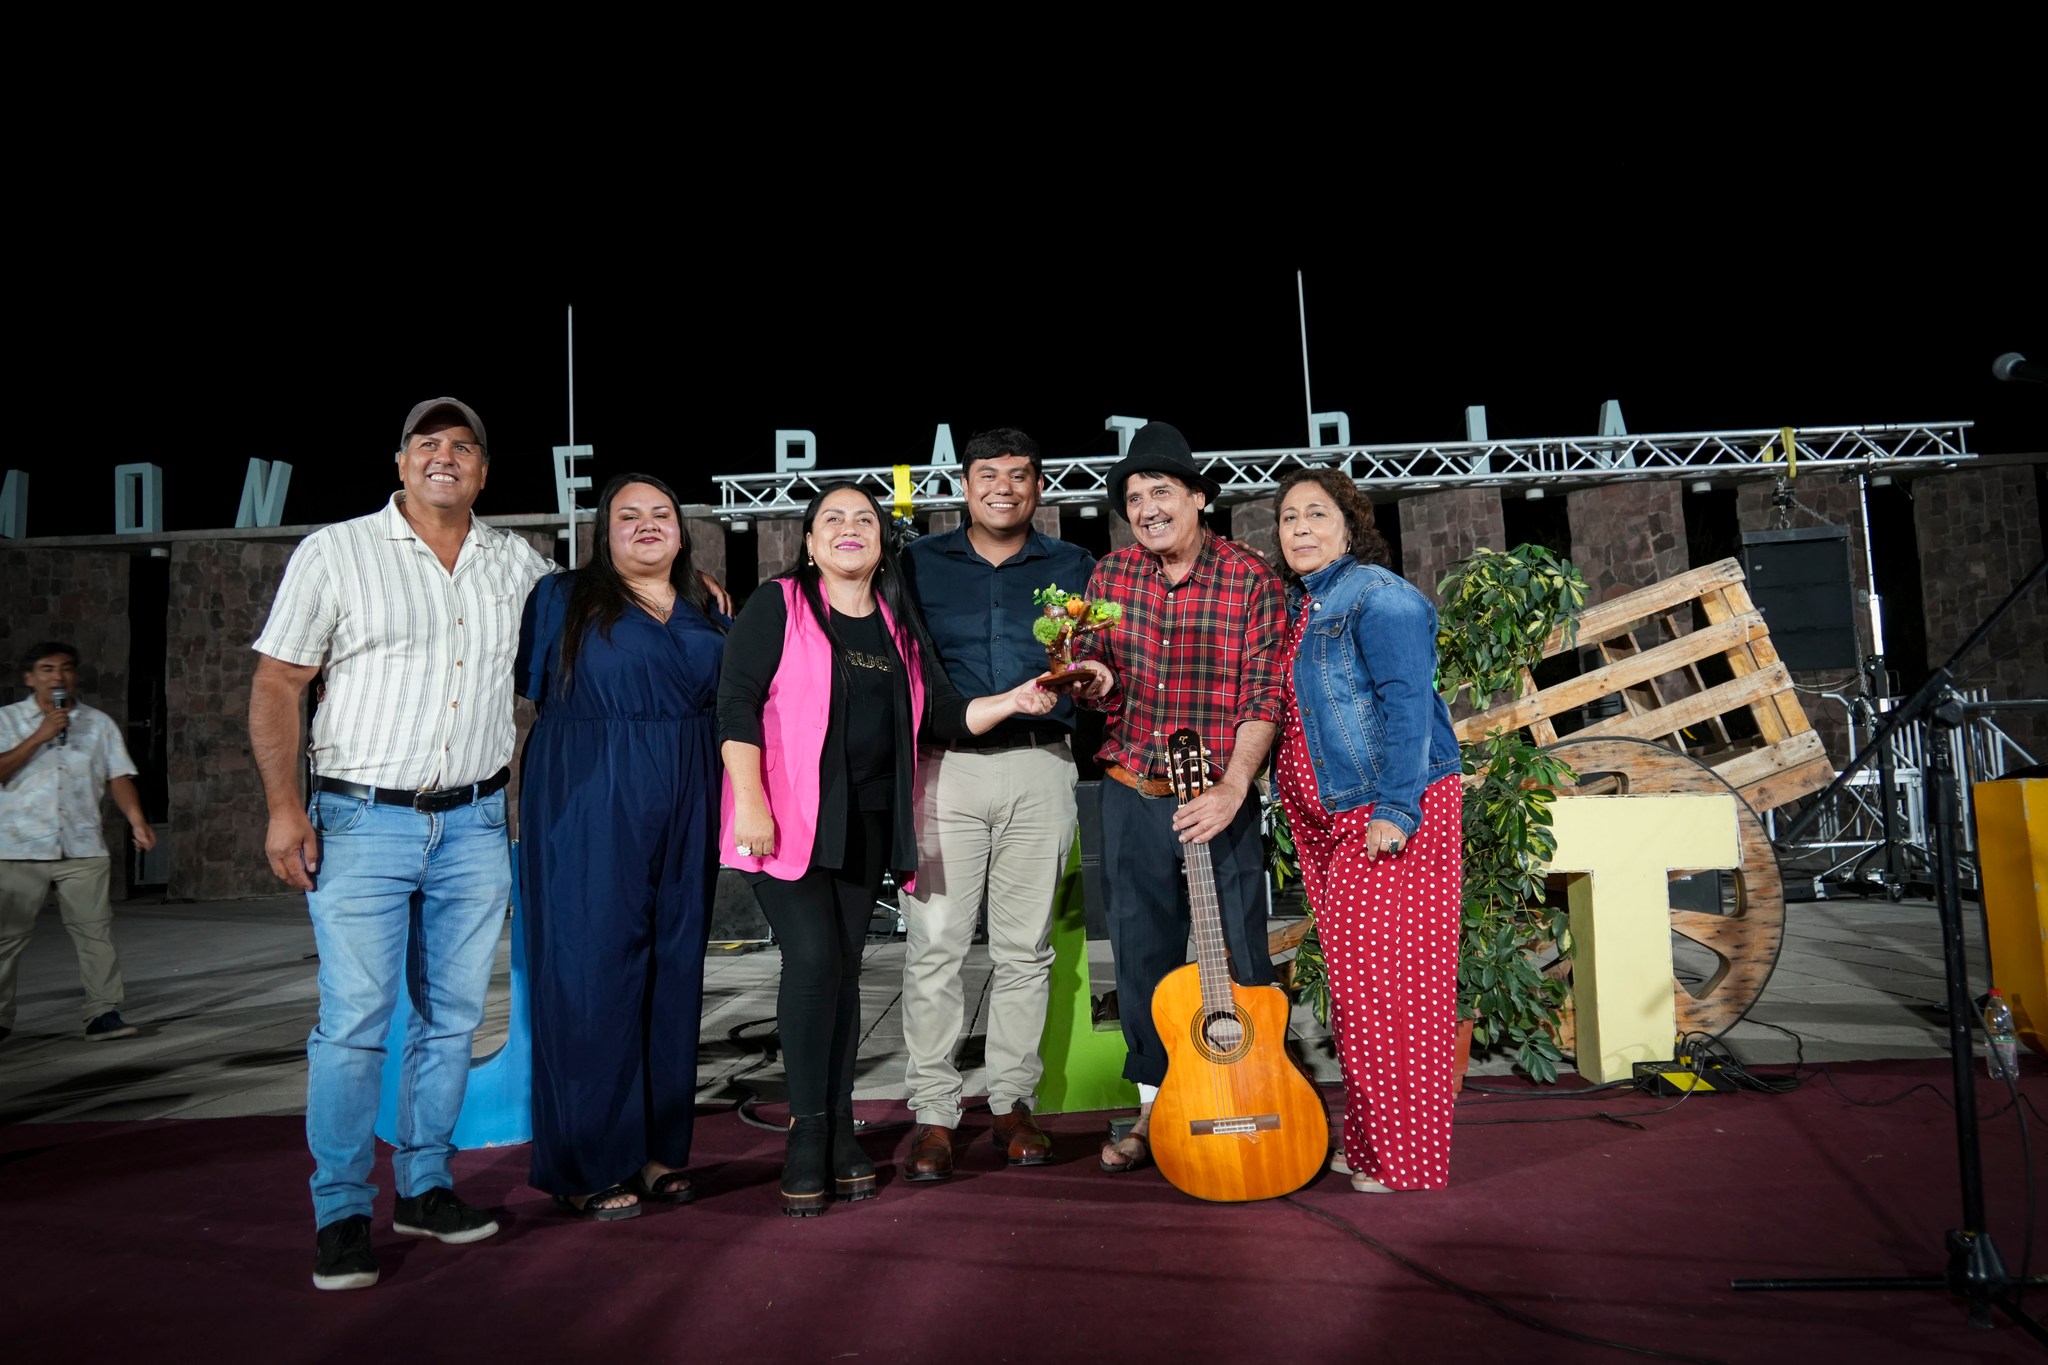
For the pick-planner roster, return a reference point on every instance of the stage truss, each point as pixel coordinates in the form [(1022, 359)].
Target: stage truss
[(1397, 470)]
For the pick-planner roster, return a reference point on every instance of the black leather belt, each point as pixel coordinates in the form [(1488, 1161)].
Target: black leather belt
[(1023, 739), (447, 798)]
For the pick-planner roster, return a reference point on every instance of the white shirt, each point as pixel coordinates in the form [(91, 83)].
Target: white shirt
[(418, 659), (50, 808)]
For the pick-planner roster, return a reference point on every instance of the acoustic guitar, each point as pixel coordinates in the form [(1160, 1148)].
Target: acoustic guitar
[(1235, 1119)]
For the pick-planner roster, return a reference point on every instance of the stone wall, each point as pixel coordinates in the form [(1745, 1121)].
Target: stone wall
[(777, 544), (707, 545), (220, 597), (1627, 536), (1439, 529), (1980, 532), (79, 596), (1256, 524)]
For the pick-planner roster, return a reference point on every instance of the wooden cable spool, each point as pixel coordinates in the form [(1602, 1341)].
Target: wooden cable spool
[(1746, 938)]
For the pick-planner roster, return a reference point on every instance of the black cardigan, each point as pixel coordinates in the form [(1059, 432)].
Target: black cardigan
[(753, 652)]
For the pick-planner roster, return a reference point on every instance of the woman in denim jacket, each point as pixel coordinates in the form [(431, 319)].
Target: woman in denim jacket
[(1368, 770)]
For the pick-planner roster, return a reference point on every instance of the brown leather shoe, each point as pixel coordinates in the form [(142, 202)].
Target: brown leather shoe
[(1023, 1142), (931, 1153)]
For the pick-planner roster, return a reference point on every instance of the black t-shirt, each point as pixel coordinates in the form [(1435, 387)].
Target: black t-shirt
[(870, 674)]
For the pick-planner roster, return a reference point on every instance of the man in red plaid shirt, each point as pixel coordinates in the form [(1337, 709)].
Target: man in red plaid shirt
[(1204, 620)]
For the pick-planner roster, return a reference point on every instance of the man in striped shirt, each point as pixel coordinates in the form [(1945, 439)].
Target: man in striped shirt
[(1204, 621), (413, 612)]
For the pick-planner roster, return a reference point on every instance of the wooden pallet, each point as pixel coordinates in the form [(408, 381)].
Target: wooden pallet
[(1664, 693)]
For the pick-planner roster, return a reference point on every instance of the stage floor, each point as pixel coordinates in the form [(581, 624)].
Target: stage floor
[(153, 1205), (224, 994)]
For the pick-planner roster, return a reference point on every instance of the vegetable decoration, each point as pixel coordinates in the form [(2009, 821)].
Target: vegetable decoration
[(1067, 616)]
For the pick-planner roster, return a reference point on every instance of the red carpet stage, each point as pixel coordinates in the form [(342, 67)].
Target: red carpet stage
[(176, 1241)]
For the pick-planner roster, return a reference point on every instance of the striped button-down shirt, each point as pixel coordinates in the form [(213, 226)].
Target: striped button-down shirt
[(1203, 652), (418, 659)]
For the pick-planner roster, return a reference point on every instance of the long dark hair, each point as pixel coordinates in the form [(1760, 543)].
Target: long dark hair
[(889, 587), (600, 595), (1368, 546)]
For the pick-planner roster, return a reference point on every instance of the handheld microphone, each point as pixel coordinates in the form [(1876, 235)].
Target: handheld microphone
[(61, 699), (2015, 368)]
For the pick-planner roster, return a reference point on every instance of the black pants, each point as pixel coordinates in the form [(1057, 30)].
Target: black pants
[(1148, 909), (821, 921)]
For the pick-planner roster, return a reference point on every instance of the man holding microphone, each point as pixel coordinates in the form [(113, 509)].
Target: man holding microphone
[(55, 758)]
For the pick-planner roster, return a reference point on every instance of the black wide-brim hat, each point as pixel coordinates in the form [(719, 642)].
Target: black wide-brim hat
[(1157, 448)]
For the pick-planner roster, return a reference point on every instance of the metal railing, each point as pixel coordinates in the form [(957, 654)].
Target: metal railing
[(1581, 461), (1849, 836)]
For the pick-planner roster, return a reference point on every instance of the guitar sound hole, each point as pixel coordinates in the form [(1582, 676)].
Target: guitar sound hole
[(1224, 1036)]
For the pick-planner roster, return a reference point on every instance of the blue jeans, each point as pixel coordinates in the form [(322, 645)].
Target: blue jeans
[(391, 876)]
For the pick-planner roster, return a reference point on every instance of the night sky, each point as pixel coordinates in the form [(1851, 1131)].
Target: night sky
[(214, 343)]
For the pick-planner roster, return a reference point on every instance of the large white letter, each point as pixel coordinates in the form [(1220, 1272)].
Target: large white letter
[(787, 442), (1475, 430), (1621, 914), (263, 493), (1612, 425), (1125, 428), (567, 484), (148, 481), (567, 481), (14, 505), (944, 458)]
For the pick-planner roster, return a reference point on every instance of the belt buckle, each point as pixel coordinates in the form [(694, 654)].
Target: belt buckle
[(420, 796)]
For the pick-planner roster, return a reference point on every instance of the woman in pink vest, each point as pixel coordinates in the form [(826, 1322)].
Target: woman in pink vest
[(829, 681)]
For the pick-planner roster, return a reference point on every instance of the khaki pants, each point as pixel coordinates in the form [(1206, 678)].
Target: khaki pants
[(996, 826), (88, 914)]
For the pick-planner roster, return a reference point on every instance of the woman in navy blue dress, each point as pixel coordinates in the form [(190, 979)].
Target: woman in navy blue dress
[(618, 810)]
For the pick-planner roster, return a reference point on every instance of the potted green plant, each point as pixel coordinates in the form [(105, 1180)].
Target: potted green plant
[(1498, 609)]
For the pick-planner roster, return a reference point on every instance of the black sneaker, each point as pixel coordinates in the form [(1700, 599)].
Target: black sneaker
[(342, 1258), (442, 1216), (109, 1025)]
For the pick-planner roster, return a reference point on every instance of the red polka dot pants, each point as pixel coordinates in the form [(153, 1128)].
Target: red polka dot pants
[(1389, 930)]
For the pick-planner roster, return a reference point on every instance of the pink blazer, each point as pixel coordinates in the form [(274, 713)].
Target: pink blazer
[(794, 719)]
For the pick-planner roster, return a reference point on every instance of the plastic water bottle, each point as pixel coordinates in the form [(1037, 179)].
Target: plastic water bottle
[(2003, 1060)]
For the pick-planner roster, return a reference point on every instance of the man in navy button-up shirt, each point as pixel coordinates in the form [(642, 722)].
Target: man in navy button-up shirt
[(995, 814)]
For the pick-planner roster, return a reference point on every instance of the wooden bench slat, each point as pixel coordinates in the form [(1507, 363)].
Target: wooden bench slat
[(1697, 709), (1617, 615), (1614, 677)]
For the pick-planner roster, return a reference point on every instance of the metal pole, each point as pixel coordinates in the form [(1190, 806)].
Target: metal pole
[(1880, 687), (1307, 399)]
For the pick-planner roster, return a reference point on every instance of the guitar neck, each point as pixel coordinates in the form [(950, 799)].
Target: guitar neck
[(1205, 913)]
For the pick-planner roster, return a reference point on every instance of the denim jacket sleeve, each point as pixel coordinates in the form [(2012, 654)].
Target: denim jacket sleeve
[(1395, 634)]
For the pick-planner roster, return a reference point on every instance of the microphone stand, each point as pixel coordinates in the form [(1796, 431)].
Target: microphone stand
[(1975, 1271)]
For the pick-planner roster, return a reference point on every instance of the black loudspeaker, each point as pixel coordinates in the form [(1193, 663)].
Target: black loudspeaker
[(1802, 583)]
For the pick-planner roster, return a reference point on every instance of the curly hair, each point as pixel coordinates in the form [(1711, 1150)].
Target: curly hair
[(1367, 545)]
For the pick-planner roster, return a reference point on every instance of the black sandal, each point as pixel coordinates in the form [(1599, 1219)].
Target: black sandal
[(594, 1209), (670, 1187)]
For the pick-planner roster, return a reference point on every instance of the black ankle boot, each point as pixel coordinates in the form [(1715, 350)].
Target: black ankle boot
[(804, 1182), (853, 1174)]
